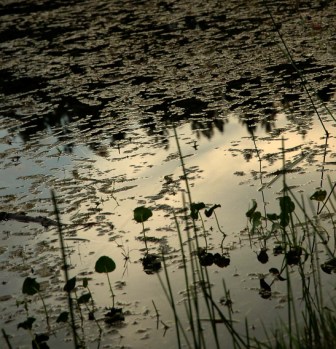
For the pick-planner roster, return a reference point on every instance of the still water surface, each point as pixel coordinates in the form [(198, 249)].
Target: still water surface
[(91, 92)]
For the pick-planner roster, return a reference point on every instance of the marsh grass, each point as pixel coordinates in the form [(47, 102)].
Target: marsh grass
[(310, 320)]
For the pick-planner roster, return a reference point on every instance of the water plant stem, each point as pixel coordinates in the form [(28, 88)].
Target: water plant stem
[(66, 274), (6, 338)]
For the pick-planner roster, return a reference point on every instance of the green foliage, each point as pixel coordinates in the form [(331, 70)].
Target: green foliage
[(142, 214), (30, 286), (105, 265), (85, 282)]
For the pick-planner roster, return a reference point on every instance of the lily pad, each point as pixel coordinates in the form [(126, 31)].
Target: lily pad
[(105, 265)]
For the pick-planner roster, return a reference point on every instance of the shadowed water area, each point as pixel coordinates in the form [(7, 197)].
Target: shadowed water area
[(90, 95)]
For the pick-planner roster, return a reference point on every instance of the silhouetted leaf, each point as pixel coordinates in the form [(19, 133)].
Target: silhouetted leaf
[(276, 273), (27, 325), (209, 212), (319, 195), (30, 286), (40, 341), (262, 257), (142, 213), (278, 249), (151, 263), (85, 282), (84, 298), (272, 216), (287, 205), (284, 219), (114, 315), (195, 208), (250, 212), (256, 220), (293, 256), (329, 266), (264, 285), (105, 265), (221, 261), (70, 285), (63, 317)]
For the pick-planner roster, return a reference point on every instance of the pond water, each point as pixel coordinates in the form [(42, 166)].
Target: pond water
[(91, 93)]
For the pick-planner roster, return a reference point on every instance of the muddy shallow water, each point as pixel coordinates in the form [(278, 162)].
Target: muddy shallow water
[(90, 93)]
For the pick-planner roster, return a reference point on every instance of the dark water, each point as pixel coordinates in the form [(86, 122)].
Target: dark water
[(90, 91)]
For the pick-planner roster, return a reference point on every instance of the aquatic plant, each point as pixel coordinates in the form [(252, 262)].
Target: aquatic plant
[(151, 262)]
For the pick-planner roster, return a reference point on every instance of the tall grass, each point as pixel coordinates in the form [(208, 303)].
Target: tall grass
[(311, 321)]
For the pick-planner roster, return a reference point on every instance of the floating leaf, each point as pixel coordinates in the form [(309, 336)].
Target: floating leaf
[(142, 213), (70, 285), (63, 317), (250, 212), (209, 212), (195, 208), (30, 286), (84, 298), (319, 195), (27, 325), (105, 265)]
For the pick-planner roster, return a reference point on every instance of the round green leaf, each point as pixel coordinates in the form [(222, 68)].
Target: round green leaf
[(142, 213), (105, 265)]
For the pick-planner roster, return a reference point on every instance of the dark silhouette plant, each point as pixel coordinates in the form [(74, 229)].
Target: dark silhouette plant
[(106, 265), (151, 262), (141, 215), (31, 287)]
